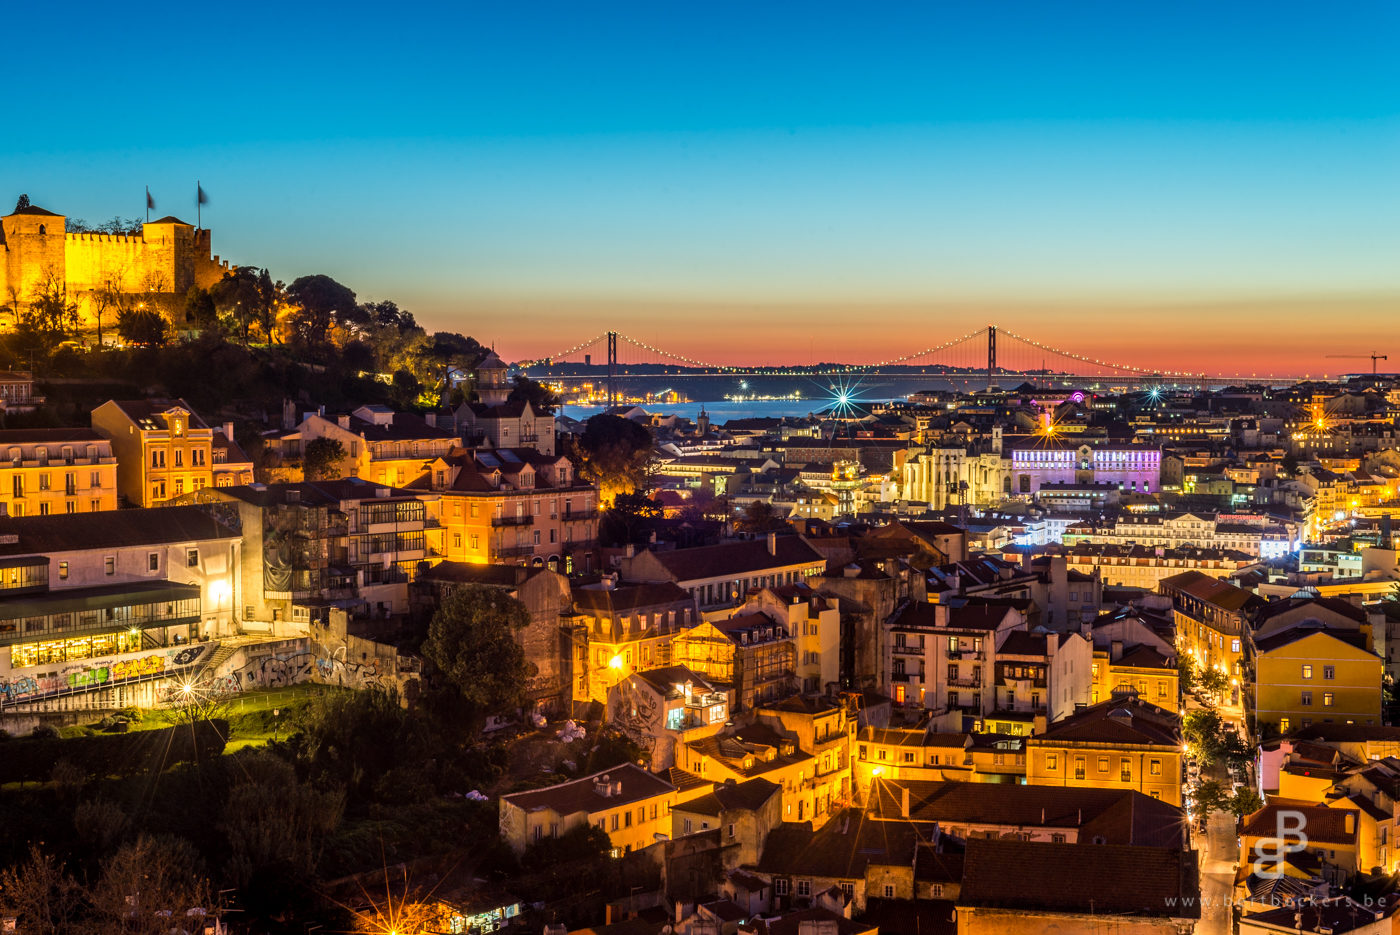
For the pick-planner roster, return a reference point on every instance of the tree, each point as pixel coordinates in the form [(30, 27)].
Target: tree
[(41, 895), (149, 883), (1214, 682), (143, 326), (1203, 731), (759, 516), (1208, 796), (1186, 672), (199, 308), (321, 303), (472, 639), (50, 317), (536, 394), (629, 519), (237, 296), (615, 454), (322, 458), (274, 822), (1245, 801)]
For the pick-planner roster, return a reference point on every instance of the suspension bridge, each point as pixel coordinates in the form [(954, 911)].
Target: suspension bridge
[(991, 355)]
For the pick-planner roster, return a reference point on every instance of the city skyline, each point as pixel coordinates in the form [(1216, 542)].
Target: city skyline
[(1114, 182)]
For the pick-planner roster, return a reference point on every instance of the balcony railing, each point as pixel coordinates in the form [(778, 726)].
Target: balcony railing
[(965, 654), (909, 650), (525, 519), (578, 515), (963, 682), (515, 551)]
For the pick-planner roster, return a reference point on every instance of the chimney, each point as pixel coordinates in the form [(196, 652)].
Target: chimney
[(1115, 651), (431, 419), (228, 431), (904, 802), (629, 551), (772, 543), (343, 422), (1351, 822)]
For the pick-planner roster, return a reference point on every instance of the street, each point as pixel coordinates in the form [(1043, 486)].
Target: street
[(1219, 853)]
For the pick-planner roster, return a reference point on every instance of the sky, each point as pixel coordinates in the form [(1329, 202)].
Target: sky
[(1192, 186)]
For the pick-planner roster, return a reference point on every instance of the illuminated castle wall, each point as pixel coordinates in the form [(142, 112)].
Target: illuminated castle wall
[(166, 258)]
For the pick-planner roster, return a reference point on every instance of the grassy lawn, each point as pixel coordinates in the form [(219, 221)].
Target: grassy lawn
[(251, 717), (254, 718)]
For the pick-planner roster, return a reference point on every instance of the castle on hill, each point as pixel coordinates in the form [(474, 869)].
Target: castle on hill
[(36, 250)]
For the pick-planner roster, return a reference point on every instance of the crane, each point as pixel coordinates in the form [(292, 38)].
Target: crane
[(1374, 358)]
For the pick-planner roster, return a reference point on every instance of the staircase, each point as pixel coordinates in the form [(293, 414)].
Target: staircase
[(221, 655)]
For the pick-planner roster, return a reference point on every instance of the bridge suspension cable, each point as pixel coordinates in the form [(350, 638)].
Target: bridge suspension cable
[(1077, 357), (577, 347), (664, 353), (928, 350)]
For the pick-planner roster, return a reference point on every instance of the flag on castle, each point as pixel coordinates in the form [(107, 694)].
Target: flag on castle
[(200, 200), (150, 203)]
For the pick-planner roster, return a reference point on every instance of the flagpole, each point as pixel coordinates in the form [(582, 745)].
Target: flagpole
[(148, 204), (198, 207)]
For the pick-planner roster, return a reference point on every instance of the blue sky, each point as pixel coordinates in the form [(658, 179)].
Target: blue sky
[(533, 172)]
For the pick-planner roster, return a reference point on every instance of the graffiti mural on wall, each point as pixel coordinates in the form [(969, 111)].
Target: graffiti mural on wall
[(98, 673), (303, 661)]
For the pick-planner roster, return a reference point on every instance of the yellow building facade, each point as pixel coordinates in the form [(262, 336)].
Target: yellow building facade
[(1122, 743), (1304, 676), (50, 471), (630, 804), (163, 449)]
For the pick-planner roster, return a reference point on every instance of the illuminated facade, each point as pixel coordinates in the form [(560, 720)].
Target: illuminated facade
[(51, 471), (1056, 460), (1122, 743), (1306, 675), (36, 253), (81, 593), (517, 506), (163, 449), (628, 803)]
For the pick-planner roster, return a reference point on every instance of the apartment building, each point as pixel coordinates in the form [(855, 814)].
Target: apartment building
[(517, 506), (93, 600), (50, 471), (163, 448)]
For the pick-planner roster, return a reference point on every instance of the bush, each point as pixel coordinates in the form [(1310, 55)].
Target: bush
[(111, 754)]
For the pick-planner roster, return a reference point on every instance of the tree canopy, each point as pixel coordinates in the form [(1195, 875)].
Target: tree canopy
[(473, 640), (615, 454)]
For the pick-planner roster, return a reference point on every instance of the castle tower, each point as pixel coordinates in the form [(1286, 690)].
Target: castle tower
[(32, 240), (492, 385), (702, 423), (170, 257)]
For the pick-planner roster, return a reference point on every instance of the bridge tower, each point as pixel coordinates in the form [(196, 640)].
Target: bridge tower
[(991, 355), (612, 369)]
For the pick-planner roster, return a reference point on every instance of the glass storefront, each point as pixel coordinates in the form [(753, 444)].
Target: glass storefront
[(80, 647)]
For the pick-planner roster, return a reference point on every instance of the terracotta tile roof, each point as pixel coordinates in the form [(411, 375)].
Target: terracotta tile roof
[(583, 795), (1121, 720), (1210, 590), (1117, 816), (625, 598), (684, 781), (842, 848), (1324, 825), (737, 559), (749, 795), (1077, 878)]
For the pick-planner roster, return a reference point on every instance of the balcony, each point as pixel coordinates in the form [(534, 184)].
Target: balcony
[(965, 683), (515, 551), (956, 654), (577, 515), (908, 650), (902, 677), (525, 519)]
